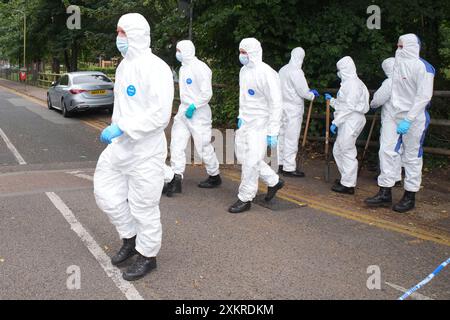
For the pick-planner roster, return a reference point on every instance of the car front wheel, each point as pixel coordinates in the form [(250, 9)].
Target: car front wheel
[(49, 102)]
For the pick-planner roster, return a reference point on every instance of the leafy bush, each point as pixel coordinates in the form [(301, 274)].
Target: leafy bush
[(109, 71)]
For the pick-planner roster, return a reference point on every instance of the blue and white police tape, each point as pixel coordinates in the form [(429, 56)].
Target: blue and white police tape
[(425, 281)]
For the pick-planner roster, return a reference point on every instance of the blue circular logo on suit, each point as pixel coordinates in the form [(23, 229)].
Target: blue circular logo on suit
[(131, 90), (251, 92), (189, 81)]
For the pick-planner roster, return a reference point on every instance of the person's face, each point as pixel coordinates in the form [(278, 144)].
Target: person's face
[(121, 32)]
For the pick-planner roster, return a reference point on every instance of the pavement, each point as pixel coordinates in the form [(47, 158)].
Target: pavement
[(311, 244)]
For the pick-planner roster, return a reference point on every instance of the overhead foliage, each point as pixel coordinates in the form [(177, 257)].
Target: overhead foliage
[(326, 29)]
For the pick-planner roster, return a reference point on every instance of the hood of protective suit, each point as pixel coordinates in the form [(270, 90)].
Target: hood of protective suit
[(138, 33), (297, 57), (254, 50), (411, 47), (388, 66), (187, 50), (347, 68)]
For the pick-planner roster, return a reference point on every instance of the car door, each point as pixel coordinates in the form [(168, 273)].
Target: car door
[(61, 89), (52, 93)]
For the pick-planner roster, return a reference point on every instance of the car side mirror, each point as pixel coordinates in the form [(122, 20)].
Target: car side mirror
[(53, 83)]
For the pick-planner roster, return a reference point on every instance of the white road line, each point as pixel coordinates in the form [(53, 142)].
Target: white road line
[(13, 149), (81, 175), (102, 258), (84, 176), (415, 295)]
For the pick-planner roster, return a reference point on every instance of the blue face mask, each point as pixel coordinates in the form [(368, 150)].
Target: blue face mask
[(243, 58), (339, 75), (122, 44), (179, 56)]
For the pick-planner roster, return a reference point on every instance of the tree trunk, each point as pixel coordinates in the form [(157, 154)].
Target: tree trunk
[(74, 58), (67, 60), (55, 65), (435, 44), (35, 71)]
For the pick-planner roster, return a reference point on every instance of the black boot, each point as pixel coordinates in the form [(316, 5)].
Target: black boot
[(293, 174), (382, 199), (339, 188), (211, 182), (272, 191), (280, 169), (407, 203), (240, 206), (126, 252), (139, 268), (174, 186)]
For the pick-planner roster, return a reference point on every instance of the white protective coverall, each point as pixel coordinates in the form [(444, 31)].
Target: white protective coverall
[(131, 167), (260, 109), (412, 90), (382, 97), (168, 173), (351, 105), (195, 83), (294, 89)]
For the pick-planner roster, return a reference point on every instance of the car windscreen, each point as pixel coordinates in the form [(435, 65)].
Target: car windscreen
[(91, 78)]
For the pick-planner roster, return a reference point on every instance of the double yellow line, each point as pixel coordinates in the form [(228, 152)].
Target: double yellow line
[(96, 124), (321, 206)]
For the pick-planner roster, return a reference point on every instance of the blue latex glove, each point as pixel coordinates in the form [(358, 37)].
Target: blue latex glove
[(403, 127), (190, 111), (315, 92), (109, 133), (239, 124), (328, 96), (333, 128), (272, 141)]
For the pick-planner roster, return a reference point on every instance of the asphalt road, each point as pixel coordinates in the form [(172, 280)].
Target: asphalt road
[(51, 231)]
